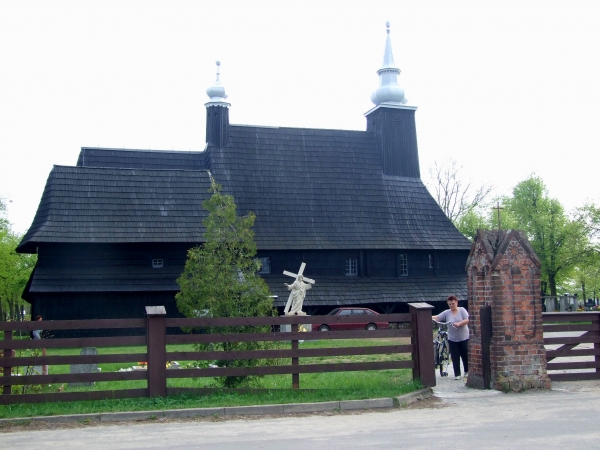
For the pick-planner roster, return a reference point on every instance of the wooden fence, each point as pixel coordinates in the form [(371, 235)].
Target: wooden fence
[(417, 328), (576, 328)]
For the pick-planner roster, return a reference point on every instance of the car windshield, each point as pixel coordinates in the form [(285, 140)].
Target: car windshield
[(332, 313)]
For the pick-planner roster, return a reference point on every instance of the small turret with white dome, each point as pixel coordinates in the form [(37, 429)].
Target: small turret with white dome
[(216, 92), (393, 121), (217, 114), (389, 91)]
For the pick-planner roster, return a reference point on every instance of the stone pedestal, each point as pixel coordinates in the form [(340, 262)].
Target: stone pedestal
[(504, 273), (288, 328)]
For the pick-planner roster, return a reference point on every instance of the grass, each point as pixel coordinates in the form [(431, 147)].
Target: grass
[(327, 386)]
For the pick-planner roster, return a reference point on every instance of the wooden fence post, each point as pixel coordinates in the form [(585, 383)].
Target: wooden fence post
[(596, 344), (423, 343), (7, 354), (485, 331), (156, 342), (295, 361)]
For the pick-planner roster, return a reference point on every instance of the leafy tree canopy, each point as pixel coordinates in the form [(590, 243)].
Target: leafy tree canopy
[(15, 270), (560, 240)]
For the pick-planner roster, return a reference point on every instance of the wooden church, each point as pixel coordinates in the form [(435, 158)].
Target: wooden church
[(112, 232)]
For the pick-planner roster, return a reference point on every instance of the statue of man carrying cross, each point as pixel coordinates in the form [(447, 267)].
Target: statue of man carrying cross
[(293, 307)]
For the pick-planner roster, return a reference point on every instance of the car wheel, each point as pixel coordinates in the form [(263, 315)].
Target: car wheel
[(371, 327), (323, 328)]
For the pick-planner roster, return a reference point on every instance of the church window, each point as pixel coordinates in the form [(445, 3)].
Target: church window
[(403, 265), (265, 265), (430, 261), (157, 263), (351, 267)]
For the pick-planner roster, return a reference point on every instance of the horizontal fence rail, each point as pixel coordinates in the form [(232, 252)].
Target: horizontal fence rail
[(578, 337), (155, 353), (73, 324)]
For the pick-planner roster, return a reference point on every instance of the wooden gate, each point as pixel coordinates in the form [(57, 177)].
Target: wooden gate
[(563, 332)]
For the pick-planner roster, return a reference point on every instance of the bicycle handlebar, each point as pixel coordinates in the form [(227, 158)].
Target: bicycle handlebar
[(443, 323)]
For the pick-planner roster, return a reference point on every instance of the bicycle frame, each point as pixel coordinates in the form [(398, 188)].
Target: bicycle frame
[(441, 349)]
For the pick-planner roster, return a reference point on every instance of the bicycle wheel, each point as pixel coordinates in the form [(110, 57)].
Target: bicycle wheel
[(436, 353), (444, 358)]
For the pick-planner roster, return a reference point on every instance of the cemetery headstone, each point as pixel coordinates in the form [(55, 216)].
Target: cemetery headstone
[(85, 368), (564, 303)]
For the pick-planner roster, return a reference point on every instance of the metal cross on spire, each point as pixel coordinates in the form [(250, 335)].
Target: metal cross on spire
[(498, 208)]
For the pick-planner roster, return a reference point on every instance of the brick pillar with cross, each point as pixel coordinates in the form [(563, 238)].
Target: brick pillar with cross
[(504, 280)]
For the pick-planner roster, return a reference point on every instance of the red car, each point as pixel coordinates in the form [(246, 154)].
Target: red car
[(366, 319)]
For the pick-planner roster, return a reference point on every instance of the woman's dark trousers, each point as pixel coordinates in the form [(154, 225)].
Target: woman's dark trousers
[(458, 351)]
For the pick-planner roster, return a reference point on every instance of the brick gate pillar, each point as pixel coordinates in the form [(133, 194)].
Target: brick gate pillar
[(504, 273)]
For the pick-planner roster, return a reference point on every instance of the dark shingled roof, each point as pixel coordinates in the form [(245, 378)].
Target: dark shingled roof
[(83, 278), (101, 205), (309, 188), (324, 189), (141, 159), (340, 291)]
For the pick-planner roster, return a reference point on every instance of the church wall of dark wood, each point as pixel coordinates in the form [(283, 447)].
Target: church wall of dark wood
[(99, 305), (112, 254), (382, 263), (68, 297), (377, 263)]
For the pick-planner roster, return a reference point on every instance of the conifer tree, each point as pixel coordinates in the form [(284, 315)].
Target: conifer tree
[(220, 280)]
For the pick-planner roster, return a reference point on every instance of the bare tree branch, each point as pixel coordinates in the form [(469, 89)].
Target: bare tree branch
[(455, 195)]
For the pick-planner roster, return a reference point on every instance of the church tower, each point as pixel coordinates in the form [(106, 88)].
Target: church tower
[(217, 114), (393, 121)]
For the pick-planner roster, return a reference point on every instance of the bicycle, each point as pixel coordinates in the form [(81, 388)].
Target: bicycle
[(441, 350)]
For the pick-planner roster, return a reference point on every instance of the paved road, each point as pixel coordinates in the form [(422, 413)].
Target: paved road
[(457, 418)]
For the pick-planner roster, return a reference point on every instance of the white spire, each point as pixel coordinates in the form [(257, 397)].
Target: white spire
[(216, 92), (388, 92)]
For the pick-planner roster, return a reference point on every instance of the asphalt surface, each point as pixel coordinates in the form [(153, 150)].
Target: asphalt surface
[(456, 417)]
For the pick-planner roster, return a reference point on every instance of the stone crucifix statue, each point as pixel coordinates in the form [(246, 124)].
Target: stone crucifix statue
[(293, 307)]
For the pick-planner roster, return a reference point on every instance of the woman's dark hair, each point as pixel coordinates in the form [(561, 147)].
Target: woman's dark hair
[(452, 297), (38, 317)]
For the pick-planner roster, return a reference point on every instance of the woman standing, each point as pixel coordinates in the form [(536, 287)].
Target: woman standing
[(458, 334)]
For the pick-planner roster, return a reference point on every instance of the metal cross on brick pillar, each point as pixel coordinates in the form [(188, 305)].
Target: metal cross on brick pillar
[(298, 288)]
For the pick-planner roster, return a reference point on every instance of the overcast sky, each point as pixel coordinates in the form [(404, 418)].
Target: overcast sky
[(507, 88)]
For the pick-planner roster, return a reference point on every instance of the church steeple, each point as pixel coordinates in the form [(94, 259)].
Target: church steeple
[(392, 121), (217, 114), (389, 91)]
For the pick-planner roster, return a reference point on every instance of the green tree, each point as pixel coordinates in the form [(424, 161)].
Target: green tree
[(470, 222), (15, 270), (220, 279), (560, 240)]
